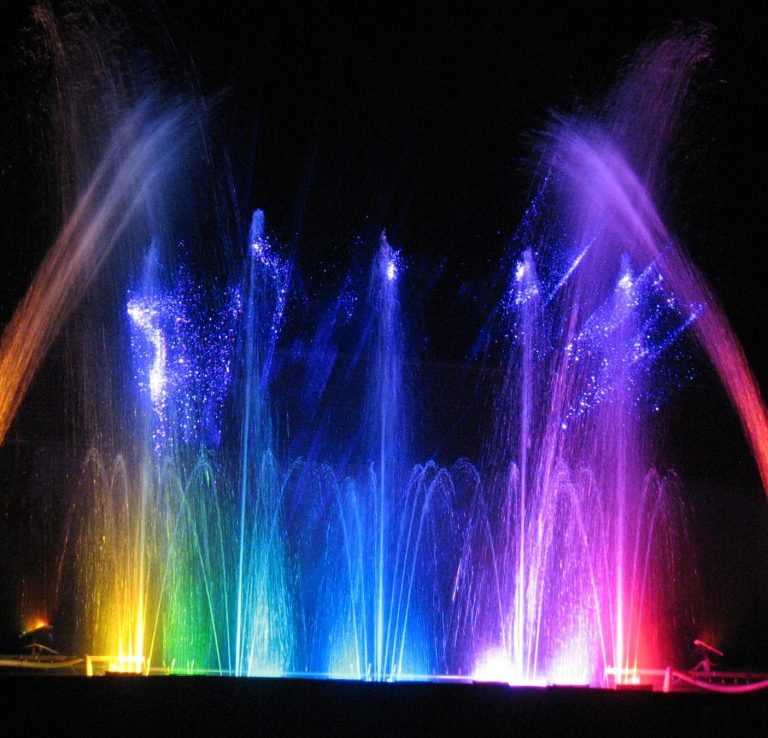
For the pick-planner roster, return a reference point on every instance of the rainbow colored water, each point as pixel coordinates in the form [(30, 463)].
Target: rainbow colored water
[(253, 507)]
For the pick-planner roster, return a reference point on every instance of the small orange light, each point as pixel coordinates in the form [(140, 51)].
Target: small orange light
[(34, 623)]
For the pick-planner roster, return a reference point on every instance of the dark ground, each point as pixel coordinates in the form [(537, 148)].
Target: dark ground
[(221, 706)]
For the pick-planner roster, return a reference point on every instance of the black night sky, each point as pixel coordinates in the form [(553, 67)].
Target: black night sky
[(340, 121)]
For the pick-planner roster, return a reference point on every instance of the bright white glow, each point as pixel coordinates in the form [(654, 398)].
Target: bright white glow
[(391, 270), (143, 318), (520, 271), (495, 666)]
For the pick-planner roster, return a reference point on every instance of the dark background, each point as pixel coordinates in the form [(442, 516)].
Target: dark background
[(340, 121)]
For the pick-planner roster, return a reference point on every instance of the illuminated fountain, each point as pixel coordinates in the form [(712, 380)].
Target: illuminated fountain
[(572, 542), (387, 526), (207, 536), (577, 531), (214, 590)]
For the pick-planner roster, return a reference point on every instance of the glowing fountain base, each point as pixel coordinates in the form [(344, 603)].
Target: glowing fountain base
[(652, 680)]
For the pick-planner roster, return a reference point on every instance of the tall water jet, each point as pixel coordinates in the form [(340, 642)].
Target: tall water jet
[(264, 621), (386, 525), (367, 513), (387, 441)]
